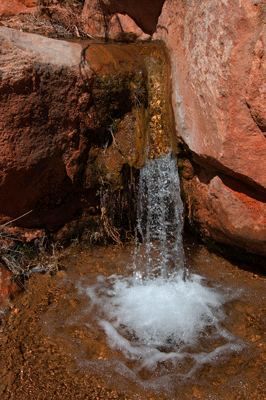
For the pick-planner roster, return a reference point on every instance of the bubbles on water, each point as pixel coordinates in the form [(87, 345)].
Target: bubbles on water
[(157, 320), (159, 312), (159, 317)]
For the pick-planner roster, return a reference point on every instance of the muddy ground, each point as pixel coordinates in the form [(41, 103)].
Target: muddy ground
[(36, 365), (31, 365)]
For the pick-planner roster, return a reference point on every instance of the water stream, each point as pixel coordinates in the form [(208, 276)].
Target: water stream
[(158, 311), (143, 318), (160, 220)]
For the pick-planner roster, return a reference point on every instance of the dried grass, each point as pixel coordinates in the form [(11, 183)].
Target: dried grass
[(111, 231), (21, 258)]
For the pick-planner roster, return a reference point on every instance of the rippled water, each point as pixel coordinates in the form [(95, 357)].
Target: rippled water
[(159, 311), (220, 362), (150, 321)]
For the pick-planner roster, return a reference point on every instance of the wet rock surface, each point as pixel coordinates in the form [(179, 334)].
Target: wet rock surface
[(217, 56), (37, 368), (61, 107), (217, 69)]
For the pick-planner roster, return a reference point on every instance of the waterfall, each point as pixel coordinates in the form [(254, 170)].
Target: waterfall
[(159, 220), (136, 322), (144, 325), (153, 311)]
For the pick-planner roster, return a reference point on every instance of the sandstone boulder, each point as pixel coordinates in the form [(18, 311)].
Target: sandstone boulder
[(145, 13), (217, 53), (13, 7), (218, 62), (61, 106), (224, 211)]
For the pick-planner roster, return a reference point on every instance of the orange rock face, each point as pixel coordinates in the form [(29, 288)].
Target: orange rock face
[(218, 67), (39, 121), (217, 52), (58, 105), (218, 64), (226, 211), (12, 7), (145, 13)]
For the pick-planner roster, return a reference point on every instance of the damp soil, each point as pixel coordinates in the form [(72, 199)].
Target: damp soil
[(42, 353)]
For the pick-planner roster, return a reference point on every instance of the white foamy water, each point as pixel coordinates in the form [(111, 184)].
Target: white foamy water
[(160, 312), (155, 320)]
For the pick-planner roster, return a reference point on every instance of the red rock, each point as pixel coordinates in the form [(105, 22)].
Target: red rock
[(218, 66), (218, 70), (224, 211), (119, 27), (218, 63), (13, 7), (214, 66), (39, 121), (8, 288), (144, 12), (50, 126)]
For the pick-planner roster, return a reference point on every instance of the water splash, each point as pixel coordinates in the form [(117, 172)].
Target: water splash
[(166, 315), (154, 314), (150, 329)]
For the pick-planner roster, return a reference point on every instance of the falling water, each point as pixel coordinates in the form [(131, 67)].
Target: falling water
[(150, 324), (157, 313), (160, 221)]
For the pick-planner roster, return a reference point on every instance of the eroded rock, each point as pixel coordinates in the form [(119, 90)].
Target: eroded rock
[(225, 211), (217, 59), (60, 106), (145, 13), (13, 7), (217, 53)]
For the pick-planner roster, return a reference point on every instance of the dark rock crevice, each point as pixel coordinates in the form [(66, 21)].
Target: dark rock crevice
[(144, 12)]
